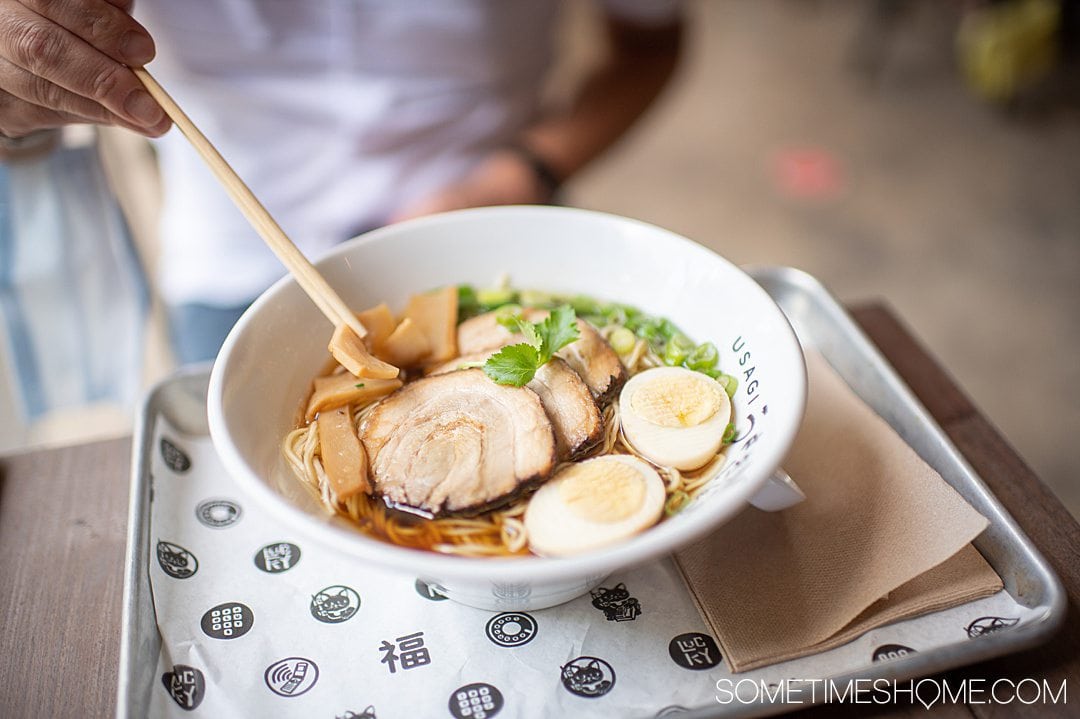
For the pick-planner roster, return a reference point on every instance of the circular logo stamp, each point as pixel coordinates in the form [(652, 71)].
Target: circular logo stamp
[(174, 457), (335, 604), (428, 591), (671, 711), (989, 625), (511, 629), (694, 651), (186, 685), (588, 677), (228, 621), (475, 701), (291, 677), (218, 513), (892, 651), (278, 557), (176, 561)]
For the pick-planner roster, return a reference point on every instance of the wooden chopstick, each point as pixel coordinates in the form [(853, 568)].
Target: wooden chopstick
[(316, 286)]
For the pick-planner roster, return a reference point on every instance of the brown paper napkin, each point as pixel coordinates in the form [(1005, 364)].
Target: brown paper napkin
[(880, 537)]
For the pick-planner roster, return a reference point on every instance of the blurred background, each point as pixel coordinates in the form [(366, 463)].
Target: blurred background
[(920, 152)]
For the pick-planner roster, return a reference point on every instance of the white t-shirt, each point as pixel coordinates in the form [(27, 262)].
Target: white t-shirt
[(336, 113)]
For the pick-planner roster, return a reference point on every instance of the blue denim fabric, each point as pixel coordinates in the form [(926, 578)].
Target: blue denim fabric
[(198, 331), (73, 299)]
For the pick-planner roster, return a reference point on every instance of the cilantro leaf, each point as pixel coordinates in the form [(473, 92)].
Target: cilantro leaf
[(509, 316), (516, 365), (532, 335), (513, 365), (556, 331)]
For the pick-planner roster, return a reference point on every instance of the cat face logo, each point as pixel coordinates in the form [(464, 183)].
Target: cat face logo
[(176, 561), (589, 677), (616, 603), (335, 604), (186, 685), (368, 713), (989, 625)]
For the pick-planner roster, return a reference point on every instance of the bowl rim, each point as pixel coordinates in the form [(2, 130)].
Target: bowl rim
[(426, 564)]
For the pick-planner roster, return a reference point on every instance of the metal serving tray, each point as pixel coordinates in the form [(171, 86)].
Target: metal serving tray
[(820, 323)]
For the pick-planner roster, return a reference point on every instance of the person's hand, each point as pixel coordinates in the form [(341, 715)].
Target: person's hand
[(66, 61), (504, 177)]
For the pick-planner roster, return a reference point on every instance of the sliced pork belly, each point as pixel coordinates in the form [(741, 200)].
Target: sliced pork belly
[(570, 406), (483, 333), (457, 443), (566, 398), (591, 356), (597, 364)]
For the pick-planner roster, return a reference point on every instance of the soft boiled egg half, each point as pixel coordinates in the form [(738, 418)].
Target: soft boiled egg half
[(592, 504), (674, 417)]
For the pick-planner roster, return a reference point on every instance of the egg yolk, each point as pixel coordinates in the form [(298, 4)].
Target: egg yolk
[(683, 401), (602, 491)]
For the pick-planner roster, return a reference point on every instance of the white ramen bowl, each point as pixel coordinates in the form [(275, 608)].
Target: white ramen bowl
[(278, 346)]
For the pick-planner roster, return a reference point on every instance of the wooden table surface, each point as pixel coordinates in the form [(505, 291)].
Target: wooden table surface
[(62, 539)]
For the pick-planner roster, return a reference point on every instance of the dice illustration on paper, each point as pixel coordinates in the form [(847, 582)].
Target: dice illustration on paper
[(227, 621)]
